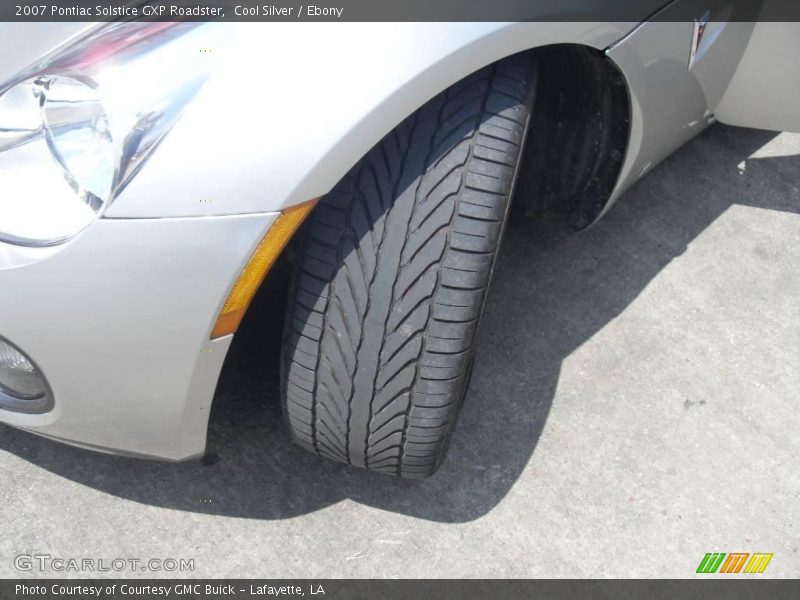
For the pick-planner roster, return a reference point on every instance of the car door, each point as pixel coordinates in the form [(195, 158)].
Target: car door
[(765, 89), (745, 56)]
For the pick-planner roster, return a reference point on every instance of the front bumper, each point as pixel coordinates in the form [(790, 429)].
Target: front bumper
[(118, 321)]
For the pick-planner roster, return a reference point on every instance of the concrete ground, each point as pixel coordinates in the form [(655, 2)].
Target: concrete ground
[(634, 406)]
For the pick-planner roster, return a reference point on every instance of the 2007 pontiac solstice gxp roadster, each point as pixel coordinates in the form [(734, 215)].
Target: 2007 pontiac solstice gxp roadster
[(151, 174)]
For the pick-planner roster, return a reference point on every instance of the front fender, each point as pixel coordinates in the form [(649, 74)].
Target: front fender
[(292, 107)]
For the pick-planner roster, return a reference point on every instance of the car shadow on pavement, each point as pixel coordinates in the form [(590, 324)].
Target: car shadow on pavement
[(553, 290)]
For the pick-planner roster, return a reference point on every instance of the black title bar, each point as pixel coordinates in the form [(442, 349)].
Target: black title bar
[(392, 10)]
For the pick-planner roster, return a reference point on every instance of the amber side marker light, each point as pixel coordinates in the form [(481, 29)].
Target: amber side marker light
[(264, 256)]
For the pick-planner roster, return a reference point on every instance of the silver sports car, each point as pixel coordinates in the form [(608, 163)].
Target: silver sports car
[(151, 174)]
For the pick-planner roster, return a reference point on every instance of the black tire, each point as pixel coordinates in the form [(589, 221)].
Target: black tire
[(392, 272)]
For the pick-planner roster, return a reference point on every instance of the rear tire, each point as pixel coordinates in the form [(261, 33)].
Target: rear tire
[(392, 272)]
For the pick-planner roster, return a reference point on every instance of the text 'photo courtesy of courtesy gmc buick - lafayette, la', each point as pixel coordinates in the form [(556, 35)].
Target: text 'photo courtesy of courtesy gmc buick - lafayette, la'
[(152, 173)]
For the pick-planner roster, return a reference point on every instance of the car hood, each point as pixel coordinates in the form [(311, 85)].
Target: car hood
[(24, 44)]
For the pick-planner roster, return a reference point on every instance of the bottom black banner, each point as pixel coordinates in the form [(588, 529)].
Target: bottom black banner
[(401, 589)]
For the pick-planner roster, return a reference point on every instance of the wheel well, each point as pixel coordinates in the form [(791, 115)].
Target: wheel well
[(575, 146), (574, 151), (578, 135), (577, 141)]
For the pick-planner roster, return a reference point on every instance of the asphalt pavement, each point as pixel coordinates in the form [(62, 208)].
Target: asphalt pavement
[(633, 407)]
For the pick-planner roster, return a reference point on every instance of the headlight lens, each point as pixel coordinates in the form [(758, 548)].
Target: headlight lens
[(75, 131), (56, 159)]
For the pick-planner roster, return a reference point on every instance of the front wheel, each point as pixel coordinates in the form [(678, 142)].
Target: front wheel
[(392, 272)]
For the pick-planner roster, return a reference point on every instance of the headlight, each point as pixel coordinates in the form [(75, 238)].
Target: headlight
[(74, 131)]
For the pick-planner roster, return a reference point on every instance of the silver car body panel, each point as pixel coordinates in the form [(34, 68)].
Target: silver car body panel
[(670, 102), (765, 90), (23, 44), (118, 319), (292, 130)]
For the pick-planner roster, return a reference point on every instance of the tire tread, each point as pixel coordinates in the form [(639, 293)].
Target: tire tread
[(393, 269)]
